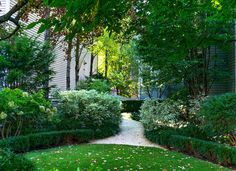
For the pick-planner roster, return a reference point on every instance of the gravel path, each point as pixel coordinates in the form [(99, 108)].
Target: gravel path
[(131, 134)]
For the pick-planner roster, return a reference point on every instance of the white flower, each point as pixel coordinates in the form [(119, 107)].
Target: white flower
[(25, 94), (42, 108), (11, 104), (48, 110), (3, 115)]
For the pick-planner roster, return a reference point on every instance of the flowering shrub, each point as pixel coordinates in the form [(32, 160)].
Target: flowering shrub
[(23, 113), (88, 109)]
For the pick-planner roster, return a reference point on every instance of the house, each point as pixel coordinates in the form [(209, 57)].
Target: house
[(59, 65)]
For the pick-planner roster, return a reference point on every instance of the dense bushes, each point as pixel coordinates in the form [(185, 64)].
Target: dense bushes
[(216, 152), (23, 113), (218, 116), (130, 106), (196, 126), (88, 109), (30, 142), (157, 114), (13, 162), (100, 85)]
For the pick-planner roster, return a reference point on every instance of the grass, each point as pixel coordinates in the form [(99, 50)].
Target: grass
[(115, 157)]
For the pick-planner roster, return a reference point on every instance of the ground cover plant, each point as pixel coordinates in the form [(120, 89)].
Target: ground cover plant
[(115, 157)]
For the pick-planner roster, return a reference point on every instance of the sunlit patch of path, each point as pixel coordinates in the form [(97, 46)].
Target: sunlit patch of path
[(132, 133)]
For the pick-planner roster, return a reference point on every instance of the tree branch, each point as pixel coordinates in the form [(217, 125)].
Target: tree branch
[(6, 17), (19, 7)]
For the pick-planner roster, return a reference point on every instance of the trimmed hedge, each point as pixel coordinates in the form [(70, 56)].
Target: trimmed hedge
[(219, 153), (30, 142), (136, 116), (130, 106), (14, 162), (212, 151)]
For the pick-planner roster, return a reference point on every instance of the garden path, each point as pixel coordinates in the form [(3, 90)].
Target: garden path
[(132, 133)]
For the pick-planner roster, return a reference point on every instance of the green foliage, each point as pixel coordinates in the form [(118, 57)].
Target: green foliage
[(26, 64), (176, 39), (85, 16), (218, 114), (23, 113), (31, 142), (117, 62), (131, 105), (155, 114), (88, 109), (100, 85), (170, 113), (136, 116), (215, 152), (13, 162)]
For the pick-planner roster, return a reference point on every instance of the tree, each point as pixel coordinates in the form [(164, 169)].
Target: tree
[(117, 62), (176, 38), (25, 64)]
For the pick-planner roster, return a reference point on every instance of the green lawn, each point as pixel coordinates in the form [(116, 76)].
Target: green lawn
[(115, 157)]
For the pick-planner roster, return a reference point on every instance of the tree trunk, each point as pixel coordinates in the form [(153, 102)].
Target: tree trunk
[(68, 67), (106, 64), (77, 60), (91, 64), (91, 60), (47, 38)]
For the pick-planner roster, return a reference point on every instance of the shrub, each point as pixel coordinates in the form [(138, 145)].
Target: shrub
[(218, 153), (170, 113), (155, 114), (23, 113), (30, 142), (100, 85), (88, 109), (135, 116), (192, 130), (130, 106), (10, 161), (218, 115)]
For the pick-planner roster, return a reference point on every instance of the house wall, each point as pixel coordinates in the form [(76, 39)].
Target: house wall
[(4, 5), (59, 66), (226, 84)]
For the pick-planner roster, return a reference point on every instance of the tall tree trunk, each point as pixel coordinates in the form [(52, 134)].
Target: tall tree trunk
[(68, 67), (91, 60), (46, 38), (77, 60), (91, 64), (106, 64)]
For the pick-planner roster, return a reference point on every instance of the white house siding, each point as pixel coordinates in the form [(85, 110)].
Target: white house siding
[(4, 6), (59, 65), (60, 68)]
